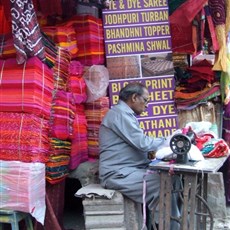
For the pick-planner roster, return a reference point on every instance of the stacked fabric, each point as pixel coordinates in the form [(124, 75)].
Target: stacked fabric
[(196, 84), (95, 111), (76, 82), (188, 100), (26, 88), (22, 188), (61, 68), (7, 46), (57, 167), (79, 147), (90, 39), (7, 49), (50, 50), (62, 115), (64, 36), (23, 137)]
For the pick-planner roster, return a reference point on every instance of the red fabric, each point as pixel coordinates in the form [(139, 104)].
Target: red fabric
[(55, 198), (184, 34), (220, 149), (5, 25), (201, 70), (50, 7)]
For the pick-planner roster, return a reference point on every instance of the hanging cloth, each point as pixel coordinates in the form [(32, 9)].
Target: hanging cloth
[(26, 31), (185, 35), (218, 12)]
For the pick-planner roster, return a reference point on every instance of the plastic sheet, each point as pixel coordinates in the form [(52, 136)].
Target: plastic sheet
[(22, 188)]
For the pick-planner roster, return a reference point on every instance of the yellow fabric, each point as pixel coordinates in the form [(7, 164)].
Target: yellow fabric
[(220, 63), (227, 27)]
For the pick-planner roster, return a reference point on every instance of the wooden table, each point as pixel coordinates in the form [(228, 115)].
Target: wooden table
[(192, 192)]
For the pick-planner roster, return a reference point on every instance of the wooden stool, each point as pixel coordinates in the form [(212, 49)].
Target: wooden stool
[(13, 218)]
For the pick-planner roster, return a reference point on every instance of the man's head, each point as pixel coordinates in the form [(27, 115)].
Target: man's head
[(136, 96)]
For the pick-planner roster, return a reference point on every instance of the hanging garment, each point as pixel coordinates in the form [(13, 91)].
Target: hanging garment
[(185, 35), (26, 31), (218, 12)]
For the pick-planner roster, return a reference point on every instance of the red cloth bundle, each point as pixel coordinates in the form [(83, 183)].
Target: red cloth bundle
[(62, 115), (215, 148), (201, 70), (63, 35), (76, 83), (5, 25), (95, 111), (7, 49), (184, 35), (61, 68), (26, 88), (50, 7), (7, 46), (90, 39), (79, 147), (23, 137)]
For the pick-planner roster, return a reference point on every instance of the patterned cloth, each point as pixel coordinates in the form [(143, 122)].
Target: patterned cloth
[(26, 31), (95, 112), (26, 88), (23, 137)]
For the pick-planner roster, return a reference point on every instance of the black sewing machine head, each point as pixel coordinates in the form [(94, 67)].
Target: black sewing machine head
[(181, 144)]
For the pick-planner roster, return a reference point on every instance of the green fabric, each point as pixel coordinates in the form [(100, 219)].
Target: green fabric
[(174, 4)]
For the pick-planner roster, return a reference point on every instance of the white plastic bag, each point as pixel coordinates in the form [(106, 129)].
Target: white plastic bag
[(97, 81)]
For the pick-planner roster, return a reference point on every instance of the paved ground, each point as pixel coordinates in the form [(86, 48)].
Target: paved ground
[(74, 220), (224, 223)]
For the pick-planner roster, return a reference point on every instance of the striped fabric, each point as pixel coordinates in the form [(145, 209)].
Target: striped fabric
[(23, 137), (76, 83), (62, 115), (95, 111), (57, 167), (7, 49), (61, 69), (64, 36), (90, 39), (79, 144), (26, 88)]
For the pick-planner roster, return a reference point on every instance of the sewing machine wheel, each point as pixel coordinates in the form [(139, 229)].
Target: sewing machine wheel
[(180, 144)]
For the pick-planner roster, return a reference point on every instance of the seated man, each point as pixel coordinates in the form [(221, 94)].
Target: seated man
[(124, 148)]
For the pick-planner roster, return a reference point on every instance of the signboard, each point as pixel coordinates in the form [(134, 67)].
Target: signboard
[(138, 26), (138, 48)]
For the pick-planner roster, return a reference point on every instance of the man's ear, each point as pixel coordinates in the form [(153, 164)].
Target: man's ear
[(134, 97)]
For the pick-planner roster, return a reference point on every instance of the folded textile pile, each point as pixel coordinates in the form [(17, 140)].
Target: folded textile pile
[(26, 88), (76, 83), (64, 36), (57, 167), (185, 100), (7, 49), (23, 137), (22, 188), (196, 84), (90, 39), (79, 145), (61, 68), (95, 111), (62, 115)]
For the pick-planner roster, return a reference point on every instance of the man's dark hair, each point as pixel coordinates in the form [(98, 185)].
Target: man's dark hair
[(130, 89)]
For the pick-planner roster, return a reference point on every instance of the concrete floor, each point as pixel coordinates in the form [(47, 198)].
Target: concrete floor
[(74, 218)]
